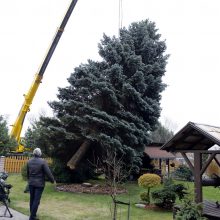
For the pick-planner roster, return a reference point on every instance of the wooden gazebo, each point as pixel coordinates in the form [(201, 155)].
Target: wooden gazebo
[(196, 139)]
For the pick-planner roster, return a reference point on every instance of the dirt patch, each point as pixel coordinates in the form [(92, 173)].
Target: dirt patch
[(93, 189), (153, 207)]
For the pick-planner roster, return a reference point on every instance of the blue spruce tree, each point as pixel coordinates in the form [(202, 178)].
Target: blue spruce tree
[(112, 104)]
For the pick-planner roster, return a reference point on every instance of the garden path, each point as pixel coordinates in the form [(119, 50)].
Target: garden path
[(16, 215)]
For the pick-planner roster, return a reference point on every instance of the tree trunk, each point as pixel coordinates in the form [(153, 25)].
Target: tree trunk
[(75, 159)]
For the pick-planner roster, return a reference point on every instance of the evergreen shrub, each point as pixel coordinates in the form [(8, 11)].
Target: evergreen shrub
[(166, 197), (60, 172), (189, 210), (183, 172), (63, 174)]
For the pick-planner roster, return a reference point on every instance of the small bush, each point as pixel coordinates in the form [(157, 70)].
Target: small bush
[(145, 197), (164, 198), (190, 211), (179, 190), (148, 181), (183, 172)]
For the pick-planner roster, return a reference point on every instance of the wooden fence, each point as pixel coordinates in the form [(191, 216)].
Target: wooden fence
[(14, 164)]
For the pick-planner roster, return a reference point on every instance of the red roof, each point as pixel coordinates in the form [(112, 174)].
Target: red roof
[(155, 152)]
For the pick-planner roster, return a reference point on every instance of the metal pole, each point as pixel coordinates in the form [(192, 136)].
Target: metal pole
[(129, 210)]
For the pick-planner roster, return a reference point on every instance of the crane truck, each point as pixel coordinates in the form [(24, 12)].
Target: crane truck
[(28, 98)]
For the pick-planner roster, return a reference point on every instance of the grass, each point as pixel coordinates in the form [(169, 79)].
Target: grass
[(209, 193), (75, 206), (78, 206)]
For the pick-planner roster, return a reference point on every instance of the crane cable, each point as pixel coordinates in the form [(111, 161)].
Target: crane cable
[(120, 16)]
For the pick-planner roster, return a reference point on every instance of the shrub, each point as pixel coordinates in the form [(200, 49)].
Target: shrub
[(24, 172), (60, 172), (179, 190), (63, 174), (145, 197), (148, 181), (183, 172), (190, 211), (164, 198)]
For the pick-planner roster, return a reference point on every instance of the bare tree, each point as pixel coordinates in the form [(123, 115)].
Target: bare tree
[(116, 172)]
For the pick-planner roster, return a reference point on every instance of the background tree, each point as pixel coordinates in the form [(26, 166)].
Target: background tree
[(33, 135), (30, 139), (112, 104), (36, 136), (161, 134), (6, 143)]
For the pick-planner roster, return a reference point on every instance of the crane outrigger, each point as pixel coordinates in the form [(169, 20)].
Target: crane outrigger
[(28, 98)]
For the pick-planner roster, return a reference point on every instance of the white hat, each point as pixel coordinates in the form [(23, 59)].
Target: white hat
[(37, 152)]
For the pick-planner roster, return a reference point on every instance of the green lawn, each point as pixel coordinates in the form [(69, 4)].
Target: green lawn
[(74, 206)]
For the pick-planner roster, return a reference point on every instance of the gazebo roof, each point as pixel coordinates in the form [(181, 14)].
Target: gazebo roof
[(193, 136), (155, 152)]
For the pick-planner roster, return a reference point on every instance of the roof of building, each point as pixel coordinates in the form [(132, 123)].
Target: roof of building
[(193, 136), (154, 152)]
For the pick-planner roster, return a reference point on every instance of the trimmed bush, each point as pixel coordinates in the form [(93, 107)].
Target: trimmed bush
[(148, 181)]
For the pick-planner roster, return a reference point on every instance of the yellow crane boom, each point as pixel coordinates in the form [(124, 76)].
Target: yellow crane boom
[(28, 98)]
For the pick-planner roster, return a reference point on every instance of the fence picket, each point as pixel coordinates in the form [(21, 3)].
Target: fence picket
[(14, 164)]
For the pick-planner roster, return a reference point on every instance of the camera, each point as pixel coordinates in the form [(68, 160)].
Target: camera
[(4, 187), (4, 193)]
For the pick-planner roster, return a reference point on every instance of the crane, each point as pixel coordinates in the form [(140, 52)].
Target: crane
[(28, 98)]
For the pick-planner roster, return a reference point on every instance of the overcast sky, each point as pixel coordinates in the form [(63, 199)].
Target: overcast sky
[(191, 29)]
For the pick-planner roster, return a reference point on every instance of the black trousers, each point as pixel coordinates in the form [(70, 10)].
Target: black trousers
[(35, 196)]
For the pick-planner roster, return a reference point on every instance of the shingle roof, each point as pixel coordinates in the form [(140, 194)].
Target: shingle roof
[(154, 152), (194, 136)]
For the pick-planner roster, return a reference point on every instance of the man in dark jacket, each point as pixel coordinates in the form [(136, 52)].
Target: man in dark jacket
[(37, 170)]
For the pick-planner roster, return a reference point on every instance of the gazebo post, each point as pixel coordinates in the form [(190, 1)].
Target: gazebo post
[(160, 164), (197, 176), (168, 167)]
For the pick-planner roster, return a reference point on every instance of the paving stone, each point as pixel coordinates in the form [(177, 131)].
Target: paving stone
[(16, 215)]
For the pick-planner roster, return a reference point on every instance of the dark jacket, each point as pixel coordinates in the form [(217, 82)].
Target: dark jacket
[(37, 170)]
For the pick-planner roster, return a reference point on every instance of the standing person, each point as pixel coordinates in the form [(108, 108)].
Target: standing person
[(37, 170)]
